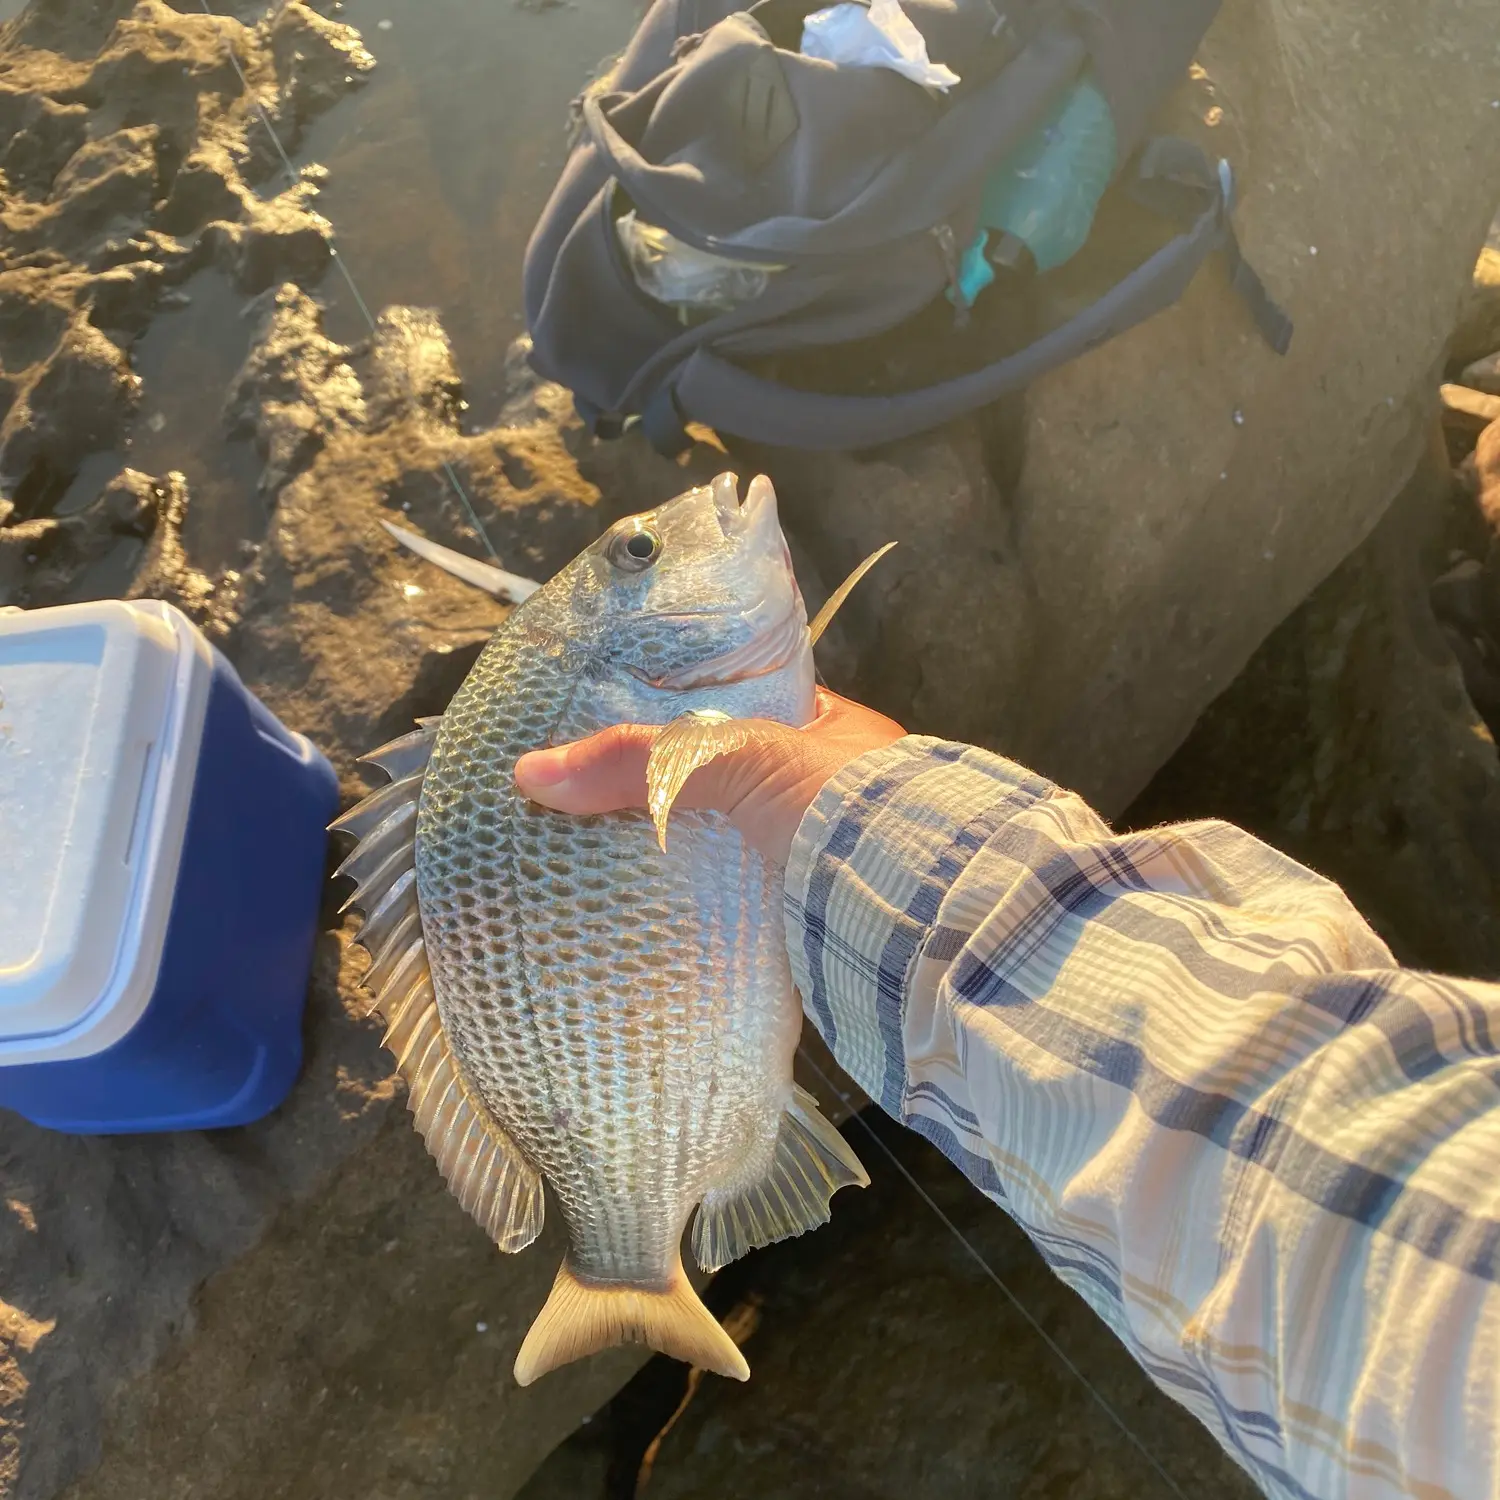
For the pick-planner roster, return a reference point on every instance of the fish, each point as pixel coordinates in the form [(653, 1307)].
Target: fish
[(605, 1003)]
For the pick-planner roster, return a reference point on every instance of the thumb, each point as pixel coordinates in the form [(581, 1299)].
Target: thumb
[(602, 773)]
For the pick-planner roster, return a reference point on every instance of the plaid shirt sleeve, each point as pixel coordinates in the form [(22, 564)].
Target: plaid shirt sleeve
[(1265, 1155)]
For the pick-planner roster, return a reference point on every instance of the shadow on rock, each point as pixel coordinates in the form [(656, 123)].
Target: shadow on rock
[(1349, 742)]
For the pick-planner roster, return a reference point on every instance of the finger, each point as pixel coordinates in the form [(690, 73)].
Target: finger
[(602, 773), (607, 772)]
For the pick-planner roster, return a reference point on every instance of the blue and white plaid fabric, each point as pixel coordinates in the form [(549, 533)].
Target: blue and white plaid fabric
[(1265, 1155)]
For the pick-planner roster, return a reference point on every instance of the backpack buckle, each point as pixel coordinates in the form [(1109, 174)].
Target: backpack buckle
[(605, 425), (664, 424)]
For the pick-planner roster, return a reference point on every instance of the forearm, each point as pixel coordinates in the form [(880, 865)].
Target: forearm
[(1190, 1071)]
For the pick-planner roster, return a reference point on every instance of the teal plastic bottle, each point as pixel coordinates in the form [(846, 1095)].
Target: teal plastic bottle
[(1044, 198)]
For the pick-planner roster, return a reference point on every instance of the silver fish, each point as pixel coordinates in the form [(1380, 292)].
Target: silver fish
[(590, 1001)]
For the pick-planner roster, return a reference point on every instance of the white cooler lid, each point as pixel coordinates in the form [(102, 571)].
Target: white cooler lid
[(101, 716)]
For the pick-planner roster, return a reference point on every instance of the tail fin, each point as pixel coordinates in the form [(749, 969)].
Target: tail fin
[(583, 1317)]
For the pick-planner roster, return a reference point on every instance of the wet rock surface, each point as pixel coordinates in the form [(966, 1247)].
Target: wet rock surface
[(1361, 736), (129, 166), (296, 1308)]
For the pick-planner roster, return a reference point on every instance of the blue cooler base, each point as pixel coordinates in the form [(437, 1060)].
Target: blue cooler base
[(221, 1041)]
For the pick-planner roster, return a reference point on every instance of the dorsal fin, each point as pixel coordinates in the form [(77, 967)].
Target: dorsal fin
[(480, 1163), (812, 1162)]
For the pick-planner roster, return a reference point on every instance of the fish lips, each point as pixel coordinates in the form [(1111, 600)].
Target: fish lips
[(756, 517), (756, 526)]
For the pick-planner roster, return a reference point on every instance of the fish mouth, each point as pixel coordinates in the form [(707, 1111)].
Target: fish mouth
[(755, 525), (756, 513)]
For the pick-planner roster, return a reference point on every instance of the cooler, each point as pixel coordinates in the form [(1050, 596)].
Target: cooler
[(161, 867)]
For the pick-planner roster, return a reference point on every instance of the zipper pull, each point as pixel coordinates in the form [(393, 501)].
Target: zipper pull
[(948, 245)]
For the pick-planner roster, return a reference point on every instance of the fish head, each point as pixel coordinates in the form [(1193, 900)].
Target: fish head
[(695, 605)]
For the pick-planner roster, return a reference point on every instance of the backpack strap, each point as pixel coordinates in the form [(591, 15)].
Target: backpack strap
[(1168, 176)]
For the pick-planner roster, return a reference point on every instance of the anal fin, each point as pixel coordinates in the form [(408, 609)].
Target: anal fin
[(483, 1167), (812, 1162)]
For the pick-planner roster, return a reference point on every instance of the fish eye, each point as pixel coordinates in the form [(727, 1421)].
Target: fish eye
[(634, 551)]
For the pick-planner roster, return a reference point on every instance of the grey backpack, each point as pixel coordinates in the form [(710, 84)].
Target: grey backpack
[(851, 186)]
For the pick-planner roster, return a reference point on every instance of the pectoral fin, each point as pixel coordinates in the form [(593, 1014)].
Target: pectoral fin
[(812, 1162), (699, 736)]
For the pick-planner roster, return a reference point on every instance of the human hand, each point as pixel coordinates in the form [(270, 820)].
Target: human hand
[(764, 787)]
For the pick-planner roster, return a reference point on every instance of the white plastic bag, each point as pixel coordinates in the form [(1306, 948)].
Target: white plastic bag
[(685, 278), (880, 35)]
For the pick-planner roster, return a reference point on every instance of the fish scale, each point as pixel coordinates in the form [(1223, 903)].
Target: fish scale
[(571, 1000), (598, 979)]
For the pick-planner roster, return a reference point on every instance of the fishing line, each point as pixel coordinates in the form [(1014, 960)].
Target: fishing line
[(979, 1260), (294, 177)]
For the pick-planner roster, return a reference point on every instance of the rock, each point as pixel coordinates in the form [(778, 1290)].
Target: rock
[(1478, 332), (122, 299), (415, 368), (146, 246), (385, 1369), (110, 180), (1483, 375), (280, 238), (1466, 601), (205, 188), (165, 126), (1459, 597), (165, 572), (132, 503), (320, 60), (885, 1365), (128, 542), (1350, 743), (39, 135), (295, 388), (1081, 574), (42, 558), (79, 399), (164, 64)]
